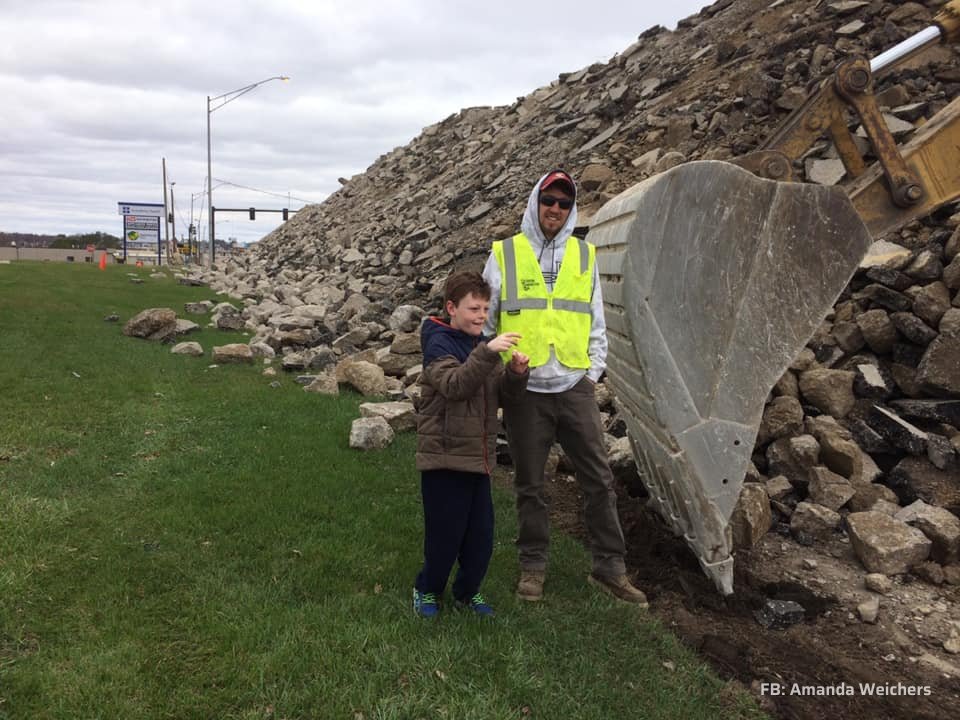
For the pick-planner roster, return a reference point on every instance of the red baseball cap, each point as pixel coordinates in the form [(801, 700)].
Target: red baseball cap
[(559, 176)]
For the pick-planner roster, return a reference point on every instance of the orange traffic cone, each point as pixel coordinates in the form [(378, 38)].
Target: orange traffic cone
[(103, 260)]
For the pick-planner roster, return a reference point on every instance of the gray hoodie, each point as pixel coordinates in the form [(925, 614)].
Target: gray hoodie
[(554, 376)]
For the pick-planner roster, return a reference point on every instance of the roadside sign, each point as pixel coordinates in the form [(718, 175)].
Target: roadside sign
[(151, 209)]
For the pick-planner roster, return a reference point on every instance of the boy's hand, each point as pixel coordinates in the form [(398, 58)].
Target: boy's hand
[(502, 343), (519, 362)]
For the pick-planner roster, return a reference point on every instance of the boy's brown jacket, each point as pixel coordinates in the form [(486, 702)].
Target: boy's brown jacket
[(457, 411)]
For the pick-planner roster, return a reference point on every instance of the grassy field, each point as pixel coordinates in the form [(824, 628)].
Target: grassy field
[(182, 541)]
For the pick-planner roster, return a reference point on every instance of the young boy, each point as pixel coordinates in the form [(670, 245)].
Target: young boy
[(463, 378)]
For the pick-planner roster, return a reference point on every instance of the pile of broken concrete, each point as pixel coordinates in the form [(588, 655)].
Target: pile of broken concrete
[(864, 425), (861, 433)]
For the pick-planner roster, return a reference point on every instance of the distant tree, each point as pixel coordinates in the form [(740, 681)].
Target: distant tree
[(100, 240)]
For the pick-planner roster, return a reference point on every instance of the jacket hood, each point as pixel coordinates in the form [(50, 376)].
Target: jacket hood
[(438, 338), (530, 225)]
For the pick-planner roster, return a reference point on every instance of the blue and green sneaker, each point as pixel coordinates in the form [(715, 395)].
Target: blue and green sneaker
[(478, 605), (425, 604)]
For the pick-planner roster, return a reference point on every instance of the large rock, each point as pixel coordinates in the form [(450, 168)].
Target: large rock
[(198, 308), (233, 353), (324, 384), (926, 266), (829, 489), (400, 415), (939, 369), (941, 411), (296, 338), (897, 431), (951, 274), (887, 298), (406, 318), (814, 520), (917, 478), (353, 338), (354, 305), (262, 350), (878, 330), (188, 348), (751, 517), (366, 377), (792, 458), (152, 324), (830, 391), (873, 381), (938, 524), (396, 365), (886, 254), (185, 327), (369, 355), (867, 496), (913, 328), (372, 433), (950, 322), (227, 317), (849, 337), (931, 302), (594, 177), (406, 344), (885, 545), (837, 449), (781, 418)]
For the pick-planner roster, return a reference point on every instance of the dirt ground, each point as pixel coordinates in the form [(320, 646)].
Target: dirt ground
[(831, 651)]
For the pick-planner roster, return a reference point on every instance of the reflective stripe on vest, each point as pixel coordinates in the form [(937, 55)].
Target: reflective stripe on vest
[(561, 318)]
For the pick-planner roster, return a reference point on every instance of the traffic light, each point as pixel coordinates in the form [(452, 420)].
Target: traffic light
[(253, 213), (285, 213)]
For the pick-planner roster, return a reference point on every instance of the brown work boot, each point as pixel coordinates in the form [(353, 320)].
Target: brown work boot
[(530, 587), (620, 587)]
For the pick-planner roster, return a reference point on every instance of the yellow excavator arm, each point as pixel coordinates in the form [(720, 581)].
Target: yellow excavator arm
[(905, 183)]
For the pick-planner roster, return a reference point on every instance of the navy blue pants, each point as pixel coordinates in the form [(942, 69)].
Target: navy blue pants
[(458, 527)]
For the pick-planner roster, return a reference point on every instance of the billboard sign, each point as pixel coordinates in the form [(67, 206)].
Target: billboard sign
[(141, 235)]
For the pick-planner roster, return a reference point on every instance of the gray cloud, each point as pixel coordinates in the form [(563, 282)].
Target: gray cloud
[(96, 93)]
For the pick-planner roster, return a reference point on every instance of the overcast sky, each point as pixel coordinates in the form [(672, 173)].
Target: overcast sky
[(93, 94)]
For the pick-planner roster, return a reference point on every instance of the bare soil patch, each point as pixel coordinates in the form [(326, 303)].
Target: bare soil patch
[(831, 651)]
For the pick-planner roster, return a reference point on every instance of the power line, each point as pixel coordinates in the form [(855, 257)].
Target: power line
[(285, 196)]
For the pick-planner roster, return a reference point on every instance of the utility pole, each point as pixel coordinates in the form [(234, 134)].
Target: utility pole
[(166, 219), (173, 220), (191, 230), (210, 186)]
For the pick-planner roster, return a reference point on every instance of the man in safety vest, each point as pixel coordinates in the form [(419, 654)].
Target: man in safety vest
[(546, 287)]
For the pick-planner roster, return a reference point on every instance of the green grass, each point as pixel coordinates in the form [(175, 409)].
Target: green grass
[(180, 541)]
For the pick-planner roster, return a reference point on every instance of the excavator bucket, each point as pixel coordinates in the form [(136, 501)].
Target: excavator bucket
[(713, 281)]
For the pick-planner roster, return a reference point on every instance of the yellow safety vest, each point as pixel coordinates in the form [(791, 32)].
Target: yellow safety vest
[(560, 318)]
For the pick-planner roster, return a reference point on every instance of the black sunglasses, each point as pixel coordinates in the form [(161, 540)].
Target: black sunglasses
[(550, 201)]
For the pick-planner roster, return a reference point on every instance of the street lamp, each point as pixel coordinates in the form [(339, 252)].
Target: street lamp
[(17, 248), (224, 99)]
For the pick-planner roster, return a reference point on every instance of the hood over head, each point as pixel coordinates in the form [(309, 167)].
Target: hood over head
[(439, 338), (530, 225)]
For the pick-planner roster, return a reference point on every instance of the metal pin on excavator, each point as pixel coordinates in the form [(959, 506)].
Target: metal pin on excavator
[(715, 275)]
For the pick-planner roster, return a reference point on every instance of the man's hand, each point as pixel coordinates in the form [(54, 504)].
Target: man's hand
[(519, 362), (502, 343)]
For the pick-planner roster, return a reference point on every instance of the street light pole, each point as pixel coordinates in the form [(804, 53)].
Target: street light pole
[(173, 220), (209, 191), (225, 98)]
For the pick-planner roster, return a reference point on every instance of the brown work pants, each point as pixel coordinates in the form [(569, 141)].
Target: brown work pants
[(573, 419)]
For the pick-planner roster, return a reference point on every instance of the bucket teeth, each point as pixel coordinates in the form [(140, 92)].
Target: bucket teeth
[(713, 281)]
